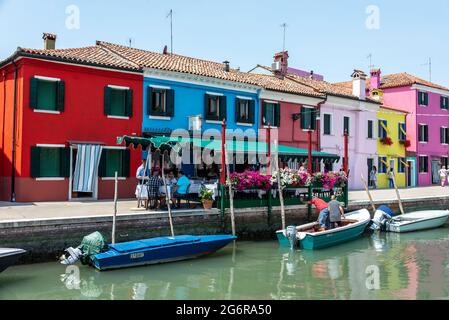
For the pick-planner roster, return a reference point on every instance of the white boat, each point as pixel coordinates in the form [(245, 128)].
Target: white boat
[(417, 220)]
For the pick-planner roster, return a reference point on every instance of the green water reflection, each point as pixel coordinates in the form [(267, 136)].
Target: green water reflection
[(410, 266)]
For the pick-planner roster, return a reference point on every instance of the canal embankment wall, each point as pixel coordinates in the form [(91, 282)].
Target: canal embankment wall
[(45, 239)]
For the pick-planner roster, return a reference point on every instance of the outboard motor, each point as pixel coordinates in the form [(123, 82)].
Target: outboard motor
[(381, 216), (290, 233), (71, 256)]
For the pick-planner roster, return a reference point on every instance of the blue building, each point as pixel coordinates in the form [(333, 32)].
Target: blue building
[(173, 100)]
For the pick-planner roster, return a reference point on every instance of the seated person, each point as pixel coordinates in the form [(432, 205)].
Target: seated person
[(323, 213), (336, 212), (171, 180), (181, 187), (154, 183)]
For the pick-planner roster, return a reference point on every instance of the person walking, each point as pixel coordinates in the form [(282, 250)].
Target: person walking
[(443, 175), (391, 178), (373, 177)]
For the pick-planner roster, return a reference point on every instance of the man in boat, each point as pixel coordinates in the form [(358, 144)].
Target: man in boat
[(323, 213), (336, 212)]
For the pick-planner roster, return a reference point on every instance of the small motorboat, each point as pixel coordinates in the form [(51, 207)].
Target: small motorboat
[(93, 250), (308, 237), (417, 220), (9, 257)]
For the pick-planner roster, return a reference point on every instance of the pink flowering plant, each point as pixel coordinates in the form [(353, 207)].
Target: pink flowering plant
[(249, 180), (330, 179)]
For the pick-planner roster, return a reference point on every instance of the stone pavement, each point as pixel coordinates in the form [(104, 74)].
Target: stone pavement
[(76, 209)]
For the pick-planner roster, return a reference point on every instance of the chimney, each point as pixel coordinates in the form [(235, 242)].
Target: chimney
[(280, 65), (311, 74), (375, 78), (165, 50), (49, 41), (358, 84), (226, 66)]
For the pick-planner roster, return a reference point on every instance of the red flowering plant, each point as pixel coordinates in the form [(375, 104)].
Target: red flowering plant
[(330, 179), (406, 143), (387, 141), (249, 180)]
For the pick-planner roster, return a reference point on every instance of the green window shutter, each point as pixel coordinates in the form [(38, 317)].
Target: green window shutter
[(222, 111), (170, 103), (35, 162), (149, 100), (107, 100), (252, 111), (426, 135), (60, 96), (277, 115), (33, 93), (304, 119), (65, 162), (426, 98), (129, 103), (442, 102), (237, 110), (264, 113), (126, 156), (313, 118), (102, 165)]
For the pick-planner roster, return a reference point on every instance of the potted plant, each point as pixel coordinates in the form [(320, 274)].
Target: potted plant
[(387, 141), (406, 143), (206, 197)]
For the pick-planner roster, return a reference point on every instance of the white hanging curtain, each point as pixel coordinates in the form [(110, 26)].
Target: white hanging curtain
[(86, 167)]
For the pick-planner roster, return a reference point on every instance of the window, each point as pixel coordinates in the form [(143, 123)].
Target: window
[(308, 118), (401, 165), (370, 129), (382, 164), (402, 132), (271, 114), (346, 125), (423, 131), (444, 135), (160, 102), (445, 162), (382, 128), (47, 94), (423, 164), (113, 160), (327, 124), (423, 98), (215, 107), (244, 110), (118, 102), (49, 162), (444, 102)]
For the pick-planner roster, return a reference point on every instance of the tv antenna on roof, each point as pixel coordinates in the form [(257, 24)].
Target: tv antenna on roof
[(370, 57), (170, 14), (130, 41), (429, 64), (284, 25)]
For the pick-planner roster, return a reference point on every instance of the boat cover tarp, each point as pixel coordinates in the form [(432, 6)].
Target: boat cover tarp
[(152, 243)]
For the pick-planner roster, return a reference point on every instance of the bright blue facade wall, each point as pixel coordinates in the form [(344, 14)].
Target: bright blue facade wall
[(189, 101)]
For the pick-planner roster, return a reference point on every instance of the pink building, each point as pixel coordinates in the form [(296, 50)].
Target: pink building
[(427, 122)]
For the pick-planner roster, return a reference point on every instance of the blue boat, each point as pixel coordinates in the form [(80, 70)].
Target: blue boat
[(158, 250)]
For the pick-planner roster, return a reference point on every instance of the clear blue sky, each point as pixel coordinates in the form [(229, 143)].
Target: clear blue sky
[(327, 36)]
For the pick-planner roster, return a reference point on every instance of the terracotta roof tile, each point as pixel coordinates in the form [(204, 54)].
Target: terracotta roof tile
[(397, 80)]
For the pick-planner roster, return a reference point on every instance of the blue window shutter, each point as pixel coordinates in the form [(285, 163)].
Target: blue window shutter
[(277, 115), (149, 100), (252, 111), (107, 100), (223, 113), (237, 110), (33, 93), (170, 103)]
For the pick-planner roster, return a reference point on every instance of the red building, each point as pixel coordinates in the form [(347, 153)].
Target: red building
[(52, 102), (289, 106)]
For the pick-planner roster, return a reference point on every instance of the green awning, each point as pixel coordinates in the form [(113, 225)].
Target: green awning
[(233, 146)]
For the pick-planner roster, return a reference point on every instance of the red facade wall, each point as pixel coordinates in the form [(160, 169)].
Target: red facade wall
[(83, 119)]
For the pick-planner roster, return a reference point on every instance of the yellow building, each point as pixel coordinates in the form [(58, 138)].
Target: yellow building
[(391, 146)]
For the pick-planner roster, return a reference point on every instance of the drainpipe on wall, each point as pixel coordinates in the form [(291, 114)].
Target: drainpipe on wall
[(13, 156), (318, 127), (4, 112)]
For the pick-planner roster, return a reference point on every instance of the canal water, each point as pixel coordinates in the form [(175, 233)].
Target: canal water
[(383, 266)]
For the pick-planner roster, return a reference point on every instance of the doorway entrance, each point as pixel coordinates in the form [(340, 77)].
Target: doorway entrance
[(369, 164), (435, 168), (74, 193)]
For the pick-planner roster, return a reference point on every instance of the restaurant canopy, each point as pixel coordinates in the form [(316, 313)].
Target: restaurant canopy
[(234, 146)]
